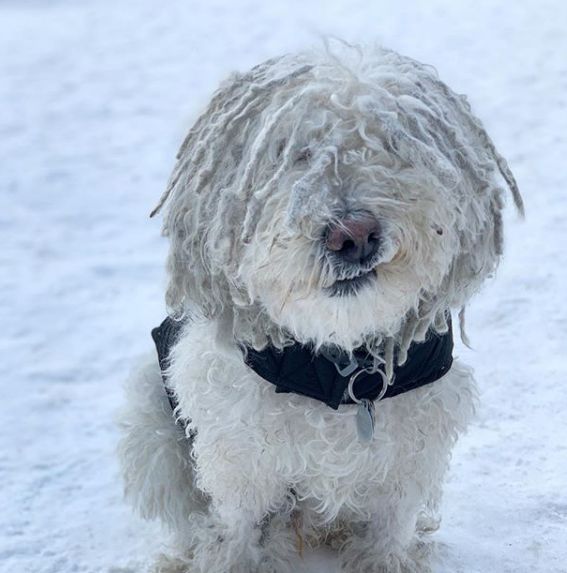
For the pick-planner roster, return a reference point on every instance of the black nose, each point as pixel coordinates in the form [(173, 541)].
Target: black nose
[(354, 239)]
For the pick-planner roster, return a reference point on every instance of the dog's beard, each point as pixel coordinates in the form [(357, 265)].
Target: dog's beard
[(324, 303), (363, 308)]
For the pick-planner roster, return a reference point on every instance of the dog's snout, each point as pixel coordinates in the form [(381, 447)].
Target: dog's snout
[(355, 239)]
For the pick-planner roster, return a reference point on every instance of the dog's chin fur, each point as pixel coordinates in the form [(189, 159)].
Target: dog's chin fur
[(346, 321), (282, 153)]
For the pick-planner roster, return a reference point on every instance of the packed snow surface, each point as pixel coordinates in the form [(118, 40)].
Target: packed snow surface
[(95, 97)]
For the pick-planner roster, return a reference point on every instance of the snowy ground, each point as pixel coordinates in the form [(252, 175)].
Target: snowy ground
[(94, 98)]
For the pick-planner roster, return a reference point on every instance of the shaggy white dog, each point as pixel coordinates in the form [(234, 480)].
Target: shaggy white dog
[(339, 203)]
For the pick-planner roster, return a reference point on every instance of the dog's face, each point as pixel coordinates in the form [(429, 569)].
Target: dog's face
[(334, 198), (376, 234)]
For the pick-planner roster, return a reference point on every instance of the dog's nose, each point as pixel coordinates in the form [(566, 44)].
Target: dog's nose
[(355, 239)]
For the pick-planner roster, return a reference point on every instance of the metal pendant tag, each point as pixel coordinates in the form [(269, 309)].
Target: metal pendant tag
[(365, 421)]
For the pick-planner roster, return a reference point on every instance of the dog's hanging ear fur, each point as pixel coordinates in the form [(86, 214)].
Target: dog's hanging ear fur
[(206, 203), (195, 283), (437, 130), (479, 200)]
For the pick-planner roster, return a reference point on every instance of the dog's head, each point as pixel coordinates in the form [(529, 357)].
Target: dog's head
[(335, 197)]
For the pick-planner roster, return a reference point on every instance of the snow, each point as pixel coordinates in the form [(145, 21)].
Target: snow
[(95, 96)]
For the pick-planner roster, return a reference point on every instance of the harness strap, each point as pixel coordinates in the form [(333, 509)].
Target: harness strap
[(165, 336)]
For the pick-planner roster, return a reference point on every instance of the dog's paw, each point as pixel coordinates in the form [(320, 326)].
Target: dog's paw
[(166, 564), (357, 559), (210, 546)]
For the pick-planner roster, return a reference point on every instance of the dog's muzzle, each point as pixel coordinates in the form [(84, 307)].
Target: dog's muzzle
[(353, 244)]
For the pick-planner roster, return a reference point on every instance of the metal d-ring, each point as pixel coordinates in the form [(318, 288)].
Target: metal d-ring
[(353, 380)]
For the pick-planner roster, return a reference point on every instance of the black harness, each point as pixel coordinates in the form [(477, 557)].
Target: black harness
[(325, 376)]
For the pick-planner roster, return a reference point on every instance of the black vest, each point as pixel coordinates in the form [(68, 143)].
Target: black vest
[(325, 376)]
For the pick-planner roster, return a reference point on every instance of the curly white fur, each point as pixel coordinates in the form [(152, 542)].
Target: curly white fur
[(281, 153)]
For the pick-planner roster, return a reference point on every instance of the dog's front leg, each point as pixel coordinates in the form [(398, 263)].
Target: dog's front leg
[(386, 544), (239, 476), (393, 540)]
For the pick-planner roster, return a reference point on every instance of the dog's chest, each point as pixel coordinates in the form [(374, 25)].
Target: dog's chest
[(296, 441), (324, 453), (308, 446)]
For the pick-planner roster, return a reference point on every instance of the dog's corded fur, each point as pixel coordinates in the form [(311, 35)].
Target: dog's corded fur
[(281, 153)]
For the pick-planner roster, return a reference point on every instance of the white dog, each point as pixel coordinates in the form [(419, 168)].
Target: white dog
[(326, 213)]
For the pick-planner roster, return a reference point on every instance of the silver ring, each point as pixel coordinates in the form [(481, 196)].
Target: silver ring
[(353, 380)]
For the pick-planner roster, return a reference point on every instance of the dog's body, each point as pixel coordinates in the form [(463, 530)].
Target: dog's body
[(331, 202)]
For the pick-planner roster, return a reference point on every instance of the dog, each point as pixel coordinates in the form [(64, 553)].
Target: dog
[(328, 212)]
